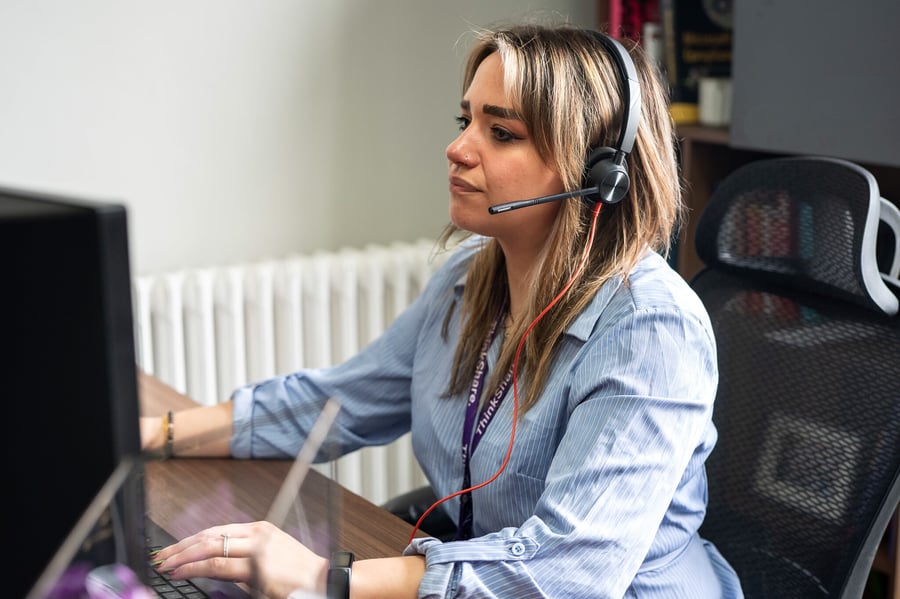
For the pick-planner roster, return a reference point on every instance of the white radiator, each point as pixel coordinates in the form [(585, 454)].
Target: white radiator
[(207, 331)]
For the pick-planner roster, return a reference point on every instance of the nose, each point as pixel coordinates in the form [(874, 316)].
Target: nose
[(459, 150)]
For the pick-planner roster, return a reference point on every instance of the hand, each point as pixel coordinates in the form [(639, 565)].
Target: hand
[(152, 440), (257, 553)]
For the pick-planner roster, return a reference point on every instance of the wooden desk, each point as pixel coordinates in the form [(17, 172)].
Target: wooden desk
[(186, 495)]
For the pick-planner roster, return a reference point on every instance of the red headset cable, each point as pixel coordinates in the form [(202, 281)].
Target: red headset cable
[(515, 415)]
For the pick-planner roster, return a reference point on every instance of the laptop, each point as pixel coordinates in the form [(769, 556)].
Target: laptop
[(107, 553)]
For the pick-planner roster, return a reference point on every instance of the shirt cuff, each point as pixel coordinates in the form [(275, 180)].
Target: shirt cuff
[(440, 557), (242, 422), (490, 548)]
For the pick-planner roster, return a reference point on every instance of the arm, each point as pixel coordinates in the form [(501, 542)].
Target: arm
[(373, 387), (270, 418), (202, 431), (387, 578)]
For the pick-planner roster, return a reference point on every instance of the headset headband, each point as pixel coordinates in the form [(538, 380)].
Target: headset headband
[(631, 95)]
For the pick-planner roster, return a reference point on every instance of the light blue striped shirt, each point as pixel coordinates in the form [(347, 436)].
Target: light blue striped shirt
[(606, 486)]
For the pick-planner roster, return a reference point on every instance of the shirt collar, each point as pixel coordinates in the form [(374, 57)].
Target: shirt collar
[(584, 323)]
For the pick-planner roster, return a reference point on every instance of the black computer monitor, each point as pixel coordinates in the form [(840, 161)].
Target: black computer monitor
[(68, 377)]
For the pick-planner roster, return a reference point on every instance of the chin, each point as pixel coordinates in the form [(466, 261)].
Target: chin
[(465, 225), (464, 219)]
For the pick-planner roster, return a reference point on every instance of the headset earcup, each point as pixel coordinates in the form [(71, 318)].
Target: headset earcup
[(602, 171)]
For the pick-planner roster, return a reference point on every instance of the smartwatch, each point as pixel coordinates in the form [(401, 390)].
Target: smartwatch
[(338, 581)]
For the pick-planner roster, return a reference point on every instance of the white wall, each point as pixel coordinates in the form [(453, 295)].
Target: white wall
[(242, 129)]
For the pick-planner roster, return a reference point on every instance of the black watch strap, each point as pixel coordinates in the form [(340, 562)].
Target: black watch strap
[(338, 582)]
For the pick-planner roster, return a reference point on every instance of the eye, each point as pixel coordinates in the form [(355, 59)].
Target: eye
[(504, 135), (463, 122)]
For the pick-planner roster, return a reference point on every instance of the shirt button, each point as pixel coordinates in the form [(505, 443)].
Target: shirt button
[(517, 549)]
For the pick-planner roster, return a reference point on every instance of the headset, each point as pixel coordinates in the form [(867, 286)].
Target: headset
[(605, 167), (605, 174)]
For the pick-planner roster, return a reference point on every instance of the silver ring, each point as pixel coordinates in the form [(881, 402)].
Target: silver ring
[(225, 538)]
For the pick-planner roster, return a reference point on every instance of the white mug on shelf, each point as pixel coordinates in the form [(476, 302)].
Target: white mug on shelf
[(714, 95)]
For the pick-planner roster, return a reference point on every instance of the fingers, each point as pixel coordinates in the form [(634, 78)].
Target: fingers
[(219, 552), (233, 569), (212, 536)]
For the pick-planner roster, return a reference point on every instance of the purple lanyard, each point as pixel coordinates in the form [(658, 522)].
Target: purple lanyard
[(471, 437)]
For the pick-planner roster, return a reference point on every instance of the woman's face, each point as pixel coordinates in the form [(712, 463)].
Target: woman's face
[(493, 160)]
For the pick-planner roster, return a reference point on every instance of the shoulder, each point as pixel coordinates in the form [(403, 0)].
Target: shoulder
[(654, 293), (654, 284), (455, 263)]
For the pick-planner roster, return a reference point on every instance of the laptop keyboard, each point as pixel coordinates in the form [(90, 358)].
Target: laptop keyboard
[(167, 588)]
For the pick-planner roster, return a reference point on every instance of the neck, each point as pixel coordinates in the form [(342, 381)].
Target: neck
[(519, 273)]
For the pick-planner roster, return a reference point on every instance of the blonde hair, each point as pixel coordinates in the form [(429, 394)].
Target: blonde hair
[(567, 90)]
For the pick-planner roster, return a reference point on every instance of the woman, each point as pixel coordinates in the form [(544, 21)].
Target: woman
[(588, 342)]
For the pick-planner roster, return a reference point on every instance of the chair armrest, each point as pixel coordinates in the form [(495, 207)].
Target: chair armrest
[(411, 505)]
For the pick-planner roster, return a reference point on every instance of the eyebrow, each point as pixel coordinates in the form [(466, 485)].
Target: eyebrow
[(491, 109)]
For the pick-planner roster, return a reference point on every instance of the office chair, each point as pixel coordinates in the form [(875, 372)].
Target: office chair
[(411, 505), (806, 473)]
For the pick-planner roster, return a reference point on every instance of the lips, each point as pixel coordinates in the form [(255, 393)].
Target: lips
[(460, 185)]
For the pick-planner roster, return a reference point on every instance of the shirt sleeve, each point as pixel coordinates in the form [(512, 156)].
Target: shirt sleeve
[(641, 393)]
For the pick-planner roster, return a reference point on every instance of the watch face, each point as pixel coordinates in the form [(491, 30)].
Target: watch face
[(341, 559), (338, 582)]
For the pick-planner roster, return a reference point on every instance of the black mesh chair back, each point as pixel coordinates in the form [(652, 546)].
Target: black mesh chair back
[(806, 472)]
